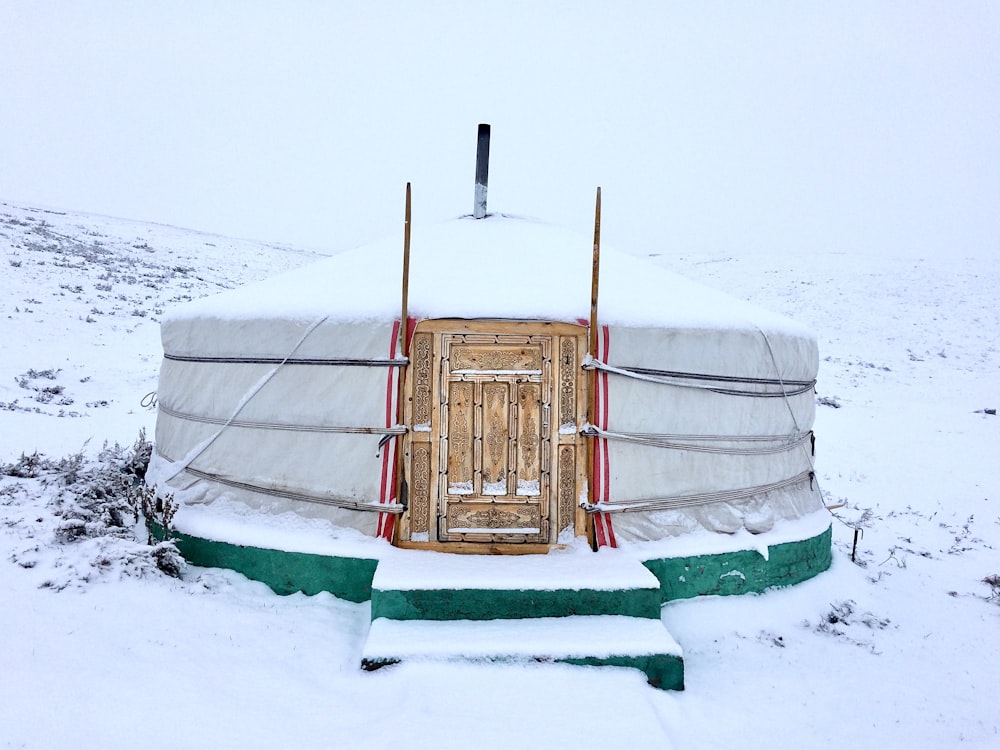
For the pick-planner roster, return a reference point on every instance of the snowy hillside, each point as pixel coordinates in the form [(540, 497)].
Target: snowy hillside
[(98, 648), (82, 300)]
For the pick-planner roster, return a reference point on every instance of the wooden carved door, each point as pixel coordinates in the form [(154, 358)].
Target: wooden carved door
[(493, 452), (496, 397)]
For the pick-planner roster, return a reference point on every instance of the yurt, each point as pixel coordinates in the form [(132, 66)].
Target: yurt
[(490, 387)]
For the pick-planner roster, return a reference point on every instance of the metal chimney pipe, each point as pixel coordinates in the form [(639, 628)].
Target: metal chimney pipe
[(482, 170)]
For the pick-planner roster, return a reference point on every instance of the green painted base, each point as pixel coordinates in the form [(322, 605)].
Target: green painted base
[(663, 671), (742, 572), (285, 572), (350, 578), (483, 604)]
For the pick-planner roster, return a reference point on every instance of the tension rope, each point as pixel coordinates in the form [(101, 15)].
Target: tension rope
[(336, 502), (684, 380), (702, 443), (810, 454), (247, 397), (691, 442), (394, 430), (693, 500), (330, 362)]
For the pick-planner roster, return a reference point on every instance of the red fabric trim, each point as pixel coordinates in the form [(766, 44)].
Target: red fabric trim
[(599, 535), (411, 326), (387, 487), (603, 419), (606, 466), (603, 528), (596, 472), (388, 523)]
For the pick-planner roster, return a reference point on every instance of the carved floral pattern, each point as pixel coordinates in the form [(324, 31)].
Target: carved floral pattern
[(567, 485), (422, 378), (495, 518), (492, 358), (421, 491), (567, 381), (460, 433), (496, 439), (529, 428)]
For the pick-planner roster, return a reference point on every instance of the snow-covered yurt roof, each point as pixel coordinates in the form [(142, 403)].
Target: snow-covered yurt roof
[(501, 265), (497, 267)]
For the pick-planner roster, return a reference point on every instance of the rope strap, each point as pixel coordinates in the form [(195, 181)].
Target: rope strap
[(683, 442), (337, 362), (395, 430), (683, 380), (691, 501), (336, 502)]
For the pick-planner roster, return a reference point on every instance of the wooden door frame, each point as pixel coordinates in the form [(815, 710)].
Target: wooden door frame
[(568, 471)]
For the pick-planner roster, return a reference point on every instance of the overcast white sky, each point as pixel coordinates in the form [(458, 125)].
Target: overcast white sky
[(735, 127)]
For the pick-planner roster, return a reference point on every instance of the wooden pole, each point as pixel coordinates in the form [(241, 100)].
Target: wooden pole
[(592, 401), (595, 277), (406, 276), (400, 392)]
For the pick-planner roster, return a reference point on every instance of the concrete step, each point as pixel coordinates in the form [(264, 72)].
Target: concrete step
[(593, 640), (434, 586)]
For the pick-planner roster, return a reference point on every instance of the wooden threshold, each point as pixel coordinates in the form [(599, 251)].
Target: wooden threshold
[(480, 548)]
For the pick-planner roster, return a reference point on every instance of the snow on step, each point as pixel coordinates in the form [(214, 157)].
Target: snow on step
[(556, 638), (576, 570)]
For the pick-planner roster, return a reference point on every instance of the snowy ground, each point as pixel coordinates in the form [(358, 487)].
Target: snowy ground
[(896, 650)]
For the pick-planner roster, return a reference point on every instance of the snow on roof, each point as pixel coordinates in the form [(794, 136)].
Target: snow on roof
[(497, 267)]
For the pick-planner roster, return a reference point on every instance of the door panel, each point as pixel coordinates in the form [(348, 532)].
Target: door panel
[(486, 464), (494, 388), (461, 456), (529, 443), (496, 438)]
